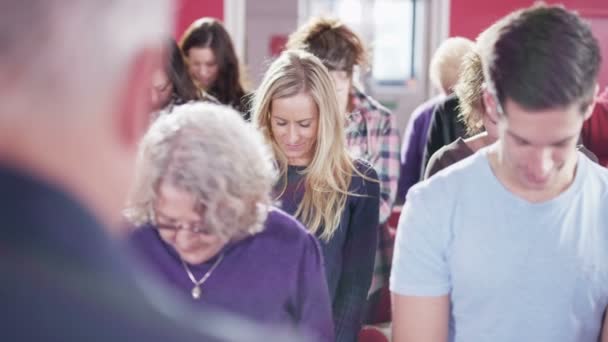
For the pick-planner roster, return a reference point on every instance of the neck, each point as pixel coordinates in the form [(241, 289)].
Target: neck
[(299, 161), (502, 171)]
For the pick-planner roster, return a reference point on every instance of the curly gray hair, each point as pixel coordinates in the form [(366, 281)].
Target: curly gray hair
[(209, 151)]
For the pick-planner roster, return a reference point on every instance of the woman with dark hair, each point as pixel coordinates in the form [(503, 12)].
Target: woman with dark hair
[(212, 62), (171, 85), (183, 86)]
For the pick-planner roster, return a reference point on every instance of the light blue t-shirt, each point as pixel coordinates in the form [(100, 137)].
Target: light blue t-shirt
[(514, 270)]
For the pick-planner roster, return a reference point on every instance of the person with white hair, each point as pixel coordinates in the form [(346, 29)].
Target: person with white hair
[(70, 119), (445, 125), (206, 225), (444, 69)]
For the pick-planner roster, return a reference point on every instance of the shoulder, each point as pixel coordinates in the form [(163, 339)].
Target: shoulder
[(365, 178), (447, 106), (584, 150), (425, 110), (142, 232), (594, 199), (452, 180), (143, 238), (447, 151), (370, 107), (363, 167), (284, 235), (282, 226), (448, 155), (596, 176)]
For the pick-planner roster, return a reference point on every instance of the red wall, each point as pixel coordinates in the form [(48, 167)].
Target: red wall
[(469, 17), (190, 10), (599, 25)]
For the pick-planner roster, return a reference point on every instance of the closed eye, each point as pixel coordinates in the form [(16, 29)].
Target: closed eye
[(518, 140), (562, 144)]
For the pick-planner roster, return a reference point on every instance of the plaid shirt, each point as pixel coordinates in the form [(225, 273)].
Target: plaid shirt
[(372, 135)]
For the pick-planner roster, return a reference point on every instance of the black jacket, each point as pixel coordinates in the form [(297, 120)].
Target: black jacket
[(64, 280), (445, 128)]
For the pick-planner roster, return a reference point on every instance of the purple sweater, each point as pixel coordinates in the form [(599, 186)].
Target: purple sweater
[(414, 143), (274, 277)]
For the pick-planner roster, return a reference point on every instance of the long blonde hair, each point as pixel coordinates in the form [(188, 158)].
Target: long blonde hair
[(469, 90), (329, 174)]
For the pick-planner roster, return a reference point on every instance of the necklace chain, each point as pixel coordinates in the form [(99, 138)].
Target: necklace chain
[(198, 283)]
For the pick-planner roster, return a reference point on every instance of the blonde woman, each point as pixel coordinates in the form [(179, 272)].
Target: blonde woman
[(370, 128), (202, 204), (336, 197)]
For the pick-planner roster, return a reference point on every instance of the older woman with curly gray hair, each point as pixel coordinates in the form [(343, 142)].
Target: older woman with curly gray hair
[(206, 224)]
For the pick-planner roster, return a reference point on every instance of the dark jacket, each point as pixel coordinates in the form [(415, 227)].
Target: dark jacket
[(64, 280), (445, 128), (349, 254)]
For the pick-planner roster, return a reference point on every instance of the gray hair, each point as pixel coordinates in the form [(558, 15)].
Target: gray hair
[(71, 54), (209, 151), (444, 68)]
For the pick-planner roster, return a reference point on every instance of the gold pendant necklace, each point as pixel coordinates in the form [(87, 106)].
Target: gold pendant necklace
[(196, 290)]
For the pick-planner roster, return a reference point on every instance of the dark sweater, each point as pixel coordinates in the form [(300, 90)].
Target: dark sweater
[(448, 155), (445, 127), (349, 254)]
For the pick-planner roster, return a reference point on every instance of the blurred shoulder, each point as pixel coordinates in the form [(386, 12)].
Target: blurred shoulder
[(365, 168), (280, 224), (596, 175), (449, 183), (370, 106), (365, 179)]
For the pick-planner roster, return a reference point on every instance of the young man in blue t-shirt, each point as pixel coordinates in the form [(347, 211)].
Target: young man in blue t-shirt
[(511, 244)]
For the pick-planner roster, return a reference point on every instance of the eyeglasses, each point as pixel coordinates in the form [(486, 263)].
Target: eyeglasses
[(175, 228), (194, 228)]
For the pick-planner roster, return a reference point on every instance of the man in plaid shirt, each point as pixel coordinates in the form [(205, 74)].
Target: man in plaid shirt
[(371, 131), (371, 134)]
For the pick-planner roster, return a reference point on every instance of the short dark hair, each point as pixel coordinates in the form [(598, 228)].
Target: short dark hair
[(210, 33), (543, 57), (338, 47)]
